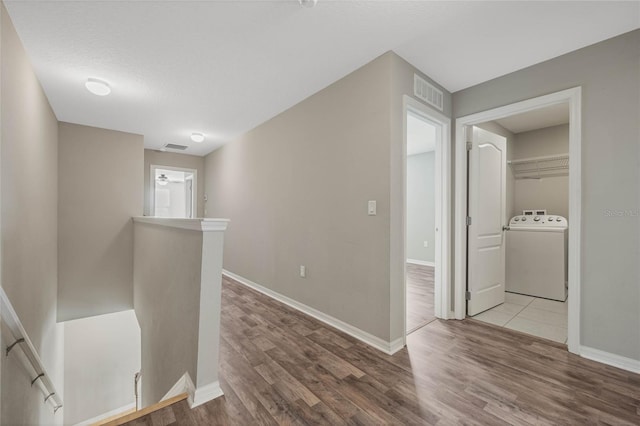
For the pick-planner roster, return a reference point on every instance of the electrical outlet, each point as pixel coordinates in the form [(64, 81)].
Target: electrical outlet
[(303, 271), (426, 243)]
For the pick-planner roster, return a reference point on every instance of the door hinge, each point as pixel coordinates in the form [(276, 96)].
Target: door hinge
[(468, 220), (469, 146), (467, 295)]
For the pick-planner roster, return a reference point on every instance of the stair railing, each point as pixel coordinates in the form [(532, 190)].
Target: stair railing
[(19, 340)]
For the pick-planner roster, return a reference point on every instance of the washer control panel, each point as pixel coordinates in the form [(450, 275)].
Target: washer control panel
[(547, 220)]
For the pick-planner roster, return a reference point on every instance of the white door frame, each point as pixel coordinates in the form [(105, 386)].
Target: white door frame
[(152, 187), (573, 98), (442, 296)]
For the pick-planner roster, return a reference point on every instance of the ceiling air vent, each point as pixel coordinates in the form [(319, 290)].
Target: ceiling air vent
[(175, 146), (427, 92)]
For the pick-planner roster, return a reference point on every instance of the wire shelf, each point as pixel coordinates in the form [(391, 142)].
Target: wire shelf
[(539, 167)]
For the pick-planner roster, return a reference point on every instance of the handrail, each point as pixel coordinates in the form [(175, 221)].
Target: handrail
[(21, 340)]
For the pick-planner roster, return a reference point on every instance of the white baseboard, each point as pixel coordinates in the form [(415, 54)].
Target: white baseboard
[(608, 358), (421, 262), (387, 347), (111, 413), (206, 393), (183, 385), (197, 396), (396, 345)]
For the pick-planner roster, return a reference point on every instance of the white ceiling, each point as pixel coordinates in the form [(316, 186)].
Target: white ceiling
[(421, 136), (537, 119), (224, 67)]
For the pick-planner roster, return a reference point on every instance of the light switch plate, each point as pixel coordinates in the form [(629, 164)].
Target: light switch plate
[(372, 207)]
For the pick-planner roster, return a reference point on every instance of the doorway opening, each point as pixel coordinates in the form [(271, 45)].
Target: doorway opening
[(426, 218), (518, 217), (421, 227), (173, 192)]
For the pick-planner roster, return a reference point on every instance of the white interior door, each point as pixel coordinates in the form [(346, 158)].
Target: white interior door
[(487, 202)]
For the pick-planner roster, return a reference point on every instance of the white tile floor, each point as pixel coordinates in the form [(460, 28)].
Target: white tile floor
[(539, 317)]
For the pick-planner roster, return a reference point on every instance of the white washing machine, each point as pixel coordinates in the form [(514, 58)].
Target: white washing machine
[(536, 256)]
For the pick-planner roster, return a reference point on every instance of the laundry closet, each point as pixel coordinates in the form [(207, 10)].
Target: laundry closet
[(538, 205), (536, 227)]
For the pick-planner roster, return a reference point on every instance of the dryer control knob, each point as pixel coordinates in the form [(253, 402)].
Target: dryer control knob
[(559, 219), (524, 218), (550, 218), (537, 218)]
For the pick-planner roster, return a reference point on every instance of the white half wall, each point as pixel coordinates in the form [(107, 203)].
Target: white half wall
[(177, 285)]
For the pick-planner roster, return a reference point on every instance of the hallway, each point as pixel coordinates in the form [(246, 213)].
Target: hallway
[(279, 366)]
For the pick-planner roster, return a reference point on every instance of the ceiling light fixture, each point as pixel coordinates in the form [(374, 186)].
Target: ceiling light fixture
[(308, 3), (98, 87), (197, 137), (162, 179)]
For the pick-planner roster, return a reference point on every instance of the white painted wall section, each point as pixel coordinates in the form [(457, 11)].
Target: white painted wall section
[(102, 354)]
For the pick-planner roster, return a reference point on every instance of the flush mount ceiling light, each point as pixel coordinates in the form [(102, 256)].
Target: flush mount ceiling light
[(162, 179), (197, 137), (98, 87), (307, 3)]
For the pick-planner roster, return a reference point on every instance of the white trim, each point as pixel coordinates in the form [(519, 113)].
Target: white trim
[(442, 283), (204, 225), (206, 393), (106, 415), (387, 347), (396, 345), (573, 98), (608, 358), (421, 262), (152, 187), (183, 385)]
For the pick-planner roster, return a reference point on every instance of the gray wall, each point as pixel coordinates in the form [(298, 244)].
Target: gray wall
[(175, 160), (537, 143), (296, 191), (100, 189), (551, 193), (102, 354), (421, 220), (29, 199), (167, 304), (608, 73)]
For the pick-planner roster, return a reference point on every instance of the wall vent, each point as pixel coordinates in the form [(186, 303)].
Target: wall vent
[(427, 92), (175, 146)]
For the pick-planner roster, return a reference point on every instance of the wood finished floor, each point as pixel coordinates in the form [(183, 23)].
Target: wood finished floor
[(279, 366), (420, 309)]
